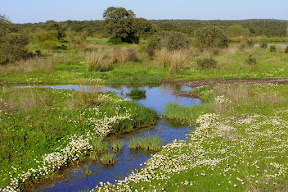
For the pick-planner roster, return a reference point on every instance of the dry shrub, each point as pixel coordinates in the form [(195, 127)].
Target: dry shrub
[(100, 60), (174, 61), (123, 55), (104, 58)]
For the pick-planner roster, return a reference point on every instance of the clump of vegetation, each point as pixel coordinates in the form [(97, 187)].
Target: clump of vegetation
[(273, 48), (211, 37), (100, 60), (151, 144), (206, 63), (107, 159), (147, 143), (98, 144), (247, 43), (263, 44), (13, 44), (134, 144), (173, 61), (137, 93), (169, 40), (251, 60), (116, 145), (286, 49)]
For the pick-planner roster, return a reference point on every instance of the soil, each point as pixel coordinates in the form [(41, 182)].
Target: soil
[(220, 81)]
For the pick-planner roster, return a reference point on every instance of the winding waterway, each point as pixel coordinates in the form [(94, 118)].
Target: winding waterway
[(75, 178)]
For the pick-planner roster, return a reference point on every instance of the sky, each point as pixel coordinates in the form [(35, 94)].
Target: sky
[(33, 11)]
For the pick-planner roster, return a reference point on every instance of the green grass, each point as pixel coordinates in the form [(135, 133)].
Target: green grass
[(146, 143), (116, 145), (70, 66), (243, 148), (35, 122)]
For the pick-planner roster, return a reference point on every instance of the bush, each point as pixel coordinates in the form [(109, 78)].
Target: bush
[(13, 47), (286, 49), (251, 60), (169, 40), (246, 43), (211, 37), (206, 63), (272, 48), (263, 44)]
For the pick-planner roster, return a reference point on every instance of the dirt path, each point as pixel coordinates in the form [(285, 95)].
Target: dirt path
[(204, 82), (264, 81)]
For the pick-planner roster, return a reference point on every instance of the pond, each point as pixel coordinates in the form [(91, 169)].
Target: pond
[(75, 178)]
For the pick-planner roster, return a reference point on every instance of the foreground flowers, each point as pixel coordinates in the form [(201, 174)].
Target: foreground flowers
[(246, 152)]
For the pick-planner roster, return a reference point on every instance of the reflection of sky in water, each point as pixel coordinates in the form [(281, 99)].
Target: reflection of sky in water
[(157, 97)]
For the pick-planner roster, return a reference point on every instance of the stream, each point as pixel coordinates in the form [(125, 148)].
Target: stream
[(75, 178)]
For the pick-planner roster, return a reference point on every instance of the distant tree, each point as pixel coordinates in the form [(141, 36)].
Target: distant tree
[(170, 40), (56, 26), (119, 23), (237, 31), (211, 37), (167, 26), (143, 27)]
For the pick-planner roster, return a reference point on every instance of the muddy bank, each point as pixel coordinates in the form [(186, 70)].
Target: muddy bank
[(221, 81)]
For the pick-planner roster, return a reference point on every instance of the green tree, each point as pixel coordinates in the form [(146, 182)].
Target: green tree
[(143, 27), (211, 37), (237, 31), (119, 23)]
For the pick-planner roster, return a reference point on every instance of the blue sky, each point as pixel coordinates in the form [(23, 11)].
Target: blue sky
[(25, 11)]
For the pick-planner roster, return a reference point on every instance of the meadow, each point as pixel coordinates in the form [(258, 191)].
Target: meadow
[(240, 144), (241, 139), (45, 130)]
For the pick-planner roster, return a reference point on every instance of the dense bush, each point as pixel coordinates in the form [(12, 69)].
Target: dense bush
[(272, 48), (206, 63), (169, 40), (211, 37), (13, 47), (263, 44), (286, 49)]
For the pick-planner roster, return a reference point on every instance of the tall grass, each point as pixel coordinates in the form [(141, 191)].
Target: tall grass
[(146, 143), (173, 61), (104, 58)]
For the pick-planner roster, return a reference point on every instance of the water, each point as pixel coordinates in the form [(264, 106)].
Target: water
[(74, 178)]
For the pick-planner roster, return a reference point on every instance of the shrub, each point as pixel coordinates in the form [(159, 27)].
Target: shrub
[(169, 40), (123, 55), (99, 60), (246, 43), (286, 49), (251, 60), (206, 63), (211, 37), (263, 44), (13, 46), (272, 48), (137, 93)]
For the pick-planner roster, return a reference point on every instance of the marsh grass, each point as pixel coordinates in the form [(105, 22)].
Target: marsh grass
[(137, 93), (98, 144), (147, 143), (116, 145), (107, 158)]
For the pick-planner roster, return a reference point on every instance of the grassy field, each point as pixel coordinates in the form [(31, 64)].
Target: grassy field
[(131, 64), (44, 130), (239, 145)]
